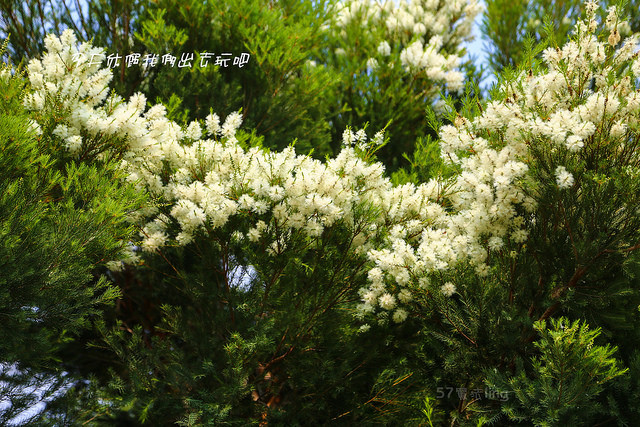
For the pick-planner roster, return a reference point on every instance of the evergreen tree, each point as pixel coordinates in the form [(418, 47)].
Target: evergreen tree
[(547, 191), (258, 285), (508, 26), (61, 221)]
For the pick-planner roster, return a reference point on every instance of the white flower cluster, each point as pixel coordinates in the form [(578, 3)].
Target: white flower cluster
[(428, 33), (448, 289), (71, 77), (587, 95), (359, 139), (207, 181), (281, 195), (87, 82), (563, 178)]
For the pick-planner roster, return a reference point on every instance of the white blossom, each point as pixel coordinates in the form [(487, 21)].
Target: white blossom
[(418, 231), (564, 179), (448, 289), (212, 123), (194, 132), (400, 315), (73, 143), (231, 124), (387, 301), (446, 25), (384, 49)]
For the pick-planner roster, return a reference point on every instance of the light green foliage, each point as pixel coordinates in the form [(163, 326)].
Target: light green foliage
[(507, 24), (569, 372), (426, 161)]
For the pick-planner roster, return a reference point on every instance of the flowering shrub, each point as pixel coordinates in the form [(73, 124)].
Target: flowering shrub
[(249, 259), (563, 112), (201, 183), (400, 57), (571, 126), (221, 204), (418, 31), (541, 220)]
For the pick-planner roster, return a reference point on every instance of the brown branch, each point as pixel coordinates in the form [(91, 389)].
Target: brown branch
[(71, 17), (280, 344), (82, 21), (458, 329), (279, 358), (549, 311), (577, 275), (629, 249)]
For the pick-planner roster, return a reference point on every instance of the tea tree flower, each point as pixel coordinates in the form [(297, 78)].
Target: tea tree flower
[(400, 315), (384, 49), (434, 50), (492, 204), (564, 179), (418, 230), (387, 301), (213, 124), (448, 289)]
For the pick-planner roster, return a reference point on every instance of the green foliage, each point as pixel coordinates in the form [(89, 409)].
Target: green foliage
[(220, 331), (277, 83), (508, 24), (425, 163), (243, 336), (59, 224), (568, 373)]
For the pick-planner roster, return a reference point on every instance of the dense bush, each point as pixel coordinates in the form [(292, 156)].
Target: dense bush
[(267, 286)]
